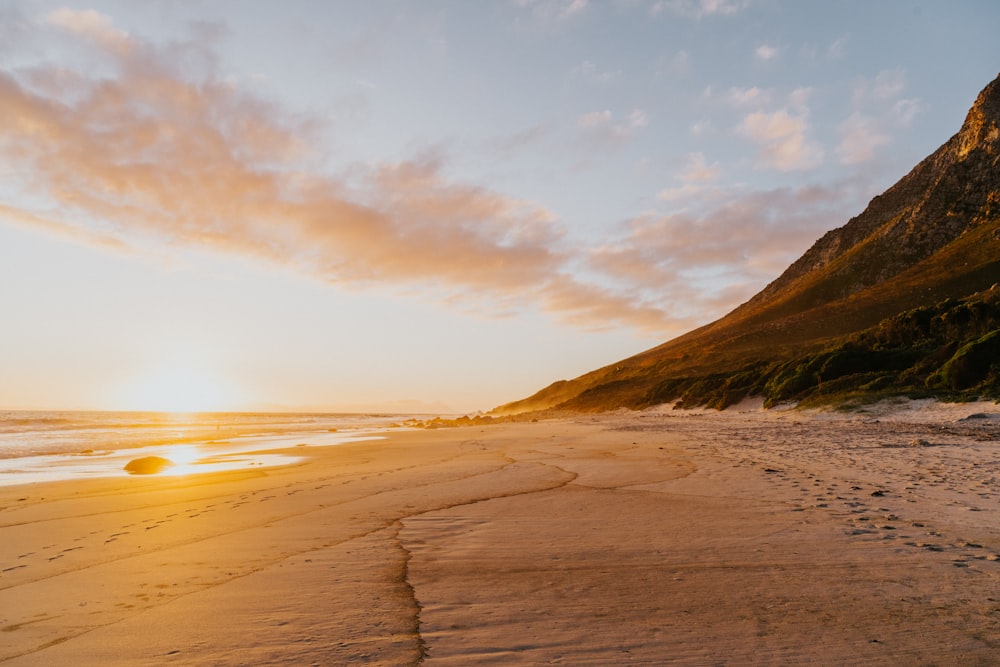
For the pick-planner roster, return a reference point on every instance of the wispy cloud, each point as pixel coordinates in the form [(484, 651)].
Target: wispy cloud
[(143, 157), (766, 52), (701, 127), (603, 127), (747, 97), (694, 177), (678, 63), (879, 110), (837, 48), (782, 140), (699, 8), (697, 170), (92, 25), (588, 71), (523, 139), (548, 11), (721, 250), (860, 140)]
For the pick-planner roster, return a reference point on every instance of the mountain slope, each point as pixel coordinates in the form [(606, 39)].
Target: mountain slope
[(932, 239)]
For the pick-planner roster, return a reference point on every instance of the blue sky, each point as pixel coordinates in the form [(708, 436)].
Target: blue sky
[(430, 205)]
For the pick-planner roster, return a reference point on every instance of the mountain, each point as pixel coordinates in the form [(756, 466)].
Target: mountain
[(899, 300)]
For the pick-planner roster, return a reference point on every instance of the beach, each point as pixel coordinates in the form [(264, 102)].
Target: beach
[(684, 537)]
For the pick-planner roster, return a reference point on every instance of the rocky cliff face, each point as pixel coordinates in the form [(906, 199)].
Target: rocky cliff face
[(954, 189)]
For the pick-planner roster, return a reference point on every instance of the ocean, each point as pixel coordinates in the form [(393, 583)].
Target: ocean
[(38, 446)]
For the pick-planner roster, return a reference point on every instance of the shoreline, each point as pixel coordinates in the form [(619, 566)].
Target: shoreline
[(187, 457), (742, 537)]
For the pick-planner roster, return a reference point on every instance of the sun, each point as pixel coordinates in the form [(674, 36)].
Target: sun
[(178, 388)]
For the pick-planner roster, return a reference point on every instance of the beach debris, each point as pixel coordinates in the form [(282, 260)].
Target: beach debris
[(919, 442), (976, 416), (148, 465)]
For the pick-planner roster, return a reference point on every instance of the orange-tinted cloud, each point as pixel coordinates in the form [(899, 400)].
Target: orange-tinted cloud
[(782, 140), (142, 154), (711, 259)]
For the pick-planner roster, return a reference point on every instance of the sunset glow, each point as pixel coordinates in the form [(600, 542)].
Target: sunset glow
[(430, 206), (179, 389)]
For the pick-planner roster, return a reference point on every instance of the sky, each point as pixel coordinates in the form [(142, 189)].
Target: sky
[(434, 206)]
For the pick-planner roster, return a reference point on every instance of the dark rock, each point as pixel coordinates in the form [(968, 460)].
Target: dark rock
[(148, 465)]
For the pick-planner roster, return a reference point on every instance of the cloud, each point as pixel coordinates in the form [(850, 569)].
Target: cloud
[(747, 97), (888, 85), (91, 25), (698, 171), (782, 140), (681, 193), (601, 126), (678, 63), (860, 137), (904, 111), (150, 157), (549, 11), (591, 72), (523, 139), (879, 109), (725, 247), (699, 8), (594, 119), (798, 100), (837, 48), (701, 127), (766, 52)]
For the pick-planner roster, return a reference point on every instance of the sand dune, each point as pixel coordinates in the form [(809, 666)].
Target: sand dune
[(698, 538)]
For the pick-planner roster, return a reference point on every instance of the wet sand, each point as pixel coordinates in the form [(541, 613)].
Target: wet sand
[(637, 538)]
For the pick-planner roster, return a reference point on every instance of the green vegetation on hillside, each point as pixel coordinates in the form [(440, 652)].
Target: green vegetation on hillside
[(950, 350)]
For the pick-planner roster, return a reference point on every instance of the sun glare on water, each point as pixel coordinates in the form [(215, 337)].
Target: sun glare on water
[(180, 389)]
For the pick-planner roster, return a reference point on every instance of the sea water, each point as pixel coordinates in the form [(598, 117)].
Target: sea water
[(40, 446)]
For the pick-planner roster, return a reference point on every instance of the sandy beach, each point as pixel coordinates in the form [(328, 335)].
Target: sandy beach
[(743, 537)]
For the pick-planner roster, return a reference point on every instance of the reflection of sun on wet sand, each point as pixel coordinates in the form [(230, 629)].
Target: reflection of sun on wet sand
[(697, 538)]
